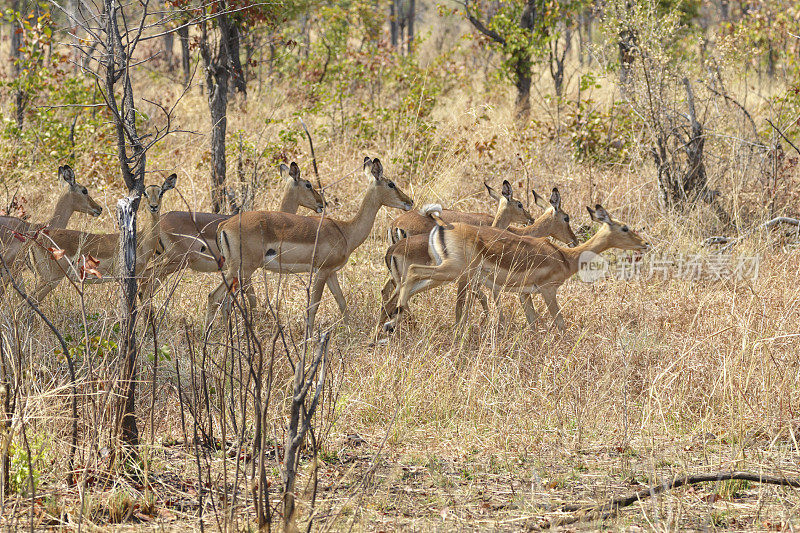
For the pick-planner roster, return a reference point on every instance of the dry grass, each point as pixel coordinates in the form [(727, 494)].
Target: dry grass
[(492, 430)]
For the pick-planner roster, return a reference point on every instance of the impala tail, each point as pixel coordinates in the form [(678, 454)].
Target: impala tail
[(435, 212), (224, 246)]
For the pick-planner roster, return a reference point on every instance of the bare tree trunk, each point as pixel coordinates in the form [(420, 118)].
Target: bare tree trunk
[(126, 216), (16, 43), (223, 68), (132, 166), (217, 82), (771, 61), (627, 43), (524, 63), (558, 59), (238, 81), (169, 42), (522, 71), (695, 182), (183, 35), (393, 22), (411, 15), (587, 31)]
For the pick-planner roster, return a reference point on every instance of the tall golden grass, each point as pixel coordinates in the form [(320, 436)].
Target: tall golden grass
[(495, 428)]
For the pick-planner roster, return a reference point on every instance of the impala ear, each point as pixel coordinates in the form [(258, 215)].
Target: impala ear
[(507, 192), (66, 174), (555, 199), (284, 171), (377, 169), (599, 214), (538, 200), (368, 167), (294, 171), (169, 183), (493, 193)]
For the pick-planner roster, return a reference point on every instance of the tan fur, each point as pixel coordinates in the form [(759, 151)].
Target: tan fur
[(416, 223), (78, 250), (414, 250), (189, 239), (554, 222), (283, 242), (14, 231), (504, 261)]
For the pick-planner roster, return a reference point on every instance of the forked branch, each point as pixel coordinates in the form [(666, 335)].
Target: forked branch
[(300, 420)]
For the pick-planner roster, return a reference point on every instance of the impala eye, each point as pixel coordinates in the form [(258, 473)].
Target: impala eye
[(84, 191), (519, 204), (625, 228), (391, 185), (308, 185), (566, 219)]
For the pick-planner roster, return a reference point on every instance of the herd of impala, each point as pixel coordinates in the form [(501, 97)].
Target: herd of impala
[(429, 247)]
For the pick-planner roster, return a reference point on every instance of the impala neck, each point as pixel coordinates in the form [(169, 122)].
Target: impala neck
[(148, 231), (599, 243), (357, 229), (62, 212), (502, 219), (289, 203), (540, 226)]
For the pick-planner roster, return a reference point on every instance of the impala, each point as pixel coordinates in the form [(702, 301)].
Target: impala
[(417, 223), (190, 239), (414, 249), (91, 257), (282, 242), (14, 231), (504, 261)]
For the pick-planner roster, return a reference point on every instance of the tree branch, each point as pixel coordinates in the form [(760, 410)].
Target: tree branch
[(493, 35), (602, 512)]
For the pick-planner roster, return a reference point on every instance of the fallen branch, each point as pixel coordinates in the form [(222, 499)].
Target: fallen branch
[(729, 242), (602, 512)]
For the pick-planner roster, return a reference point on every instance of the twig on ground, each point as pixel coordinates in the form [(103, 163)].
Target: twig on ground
[(607, 510)]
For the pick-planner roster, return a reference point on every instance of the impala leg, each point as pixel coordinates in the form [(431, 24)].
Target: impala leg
[(496, 297), (43, 288), (152, 275), (316, 295), (463, 299), (422, 278), (216, 303), (478, 293), (336, 290), (13, 266), (530, 311), (389, 296), (549, 296), (247, 291), (468, 292)]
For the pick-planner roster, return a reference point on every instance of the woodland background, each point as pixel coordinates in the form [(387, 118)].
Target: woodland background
[(680, 117)]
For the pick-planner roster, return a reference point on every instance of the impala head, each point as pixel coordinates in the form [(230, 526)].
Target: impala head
[(388, 193), (301, 189), (153, 194), (618, 234), (558, 219), (512, 207), (78, 194)]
